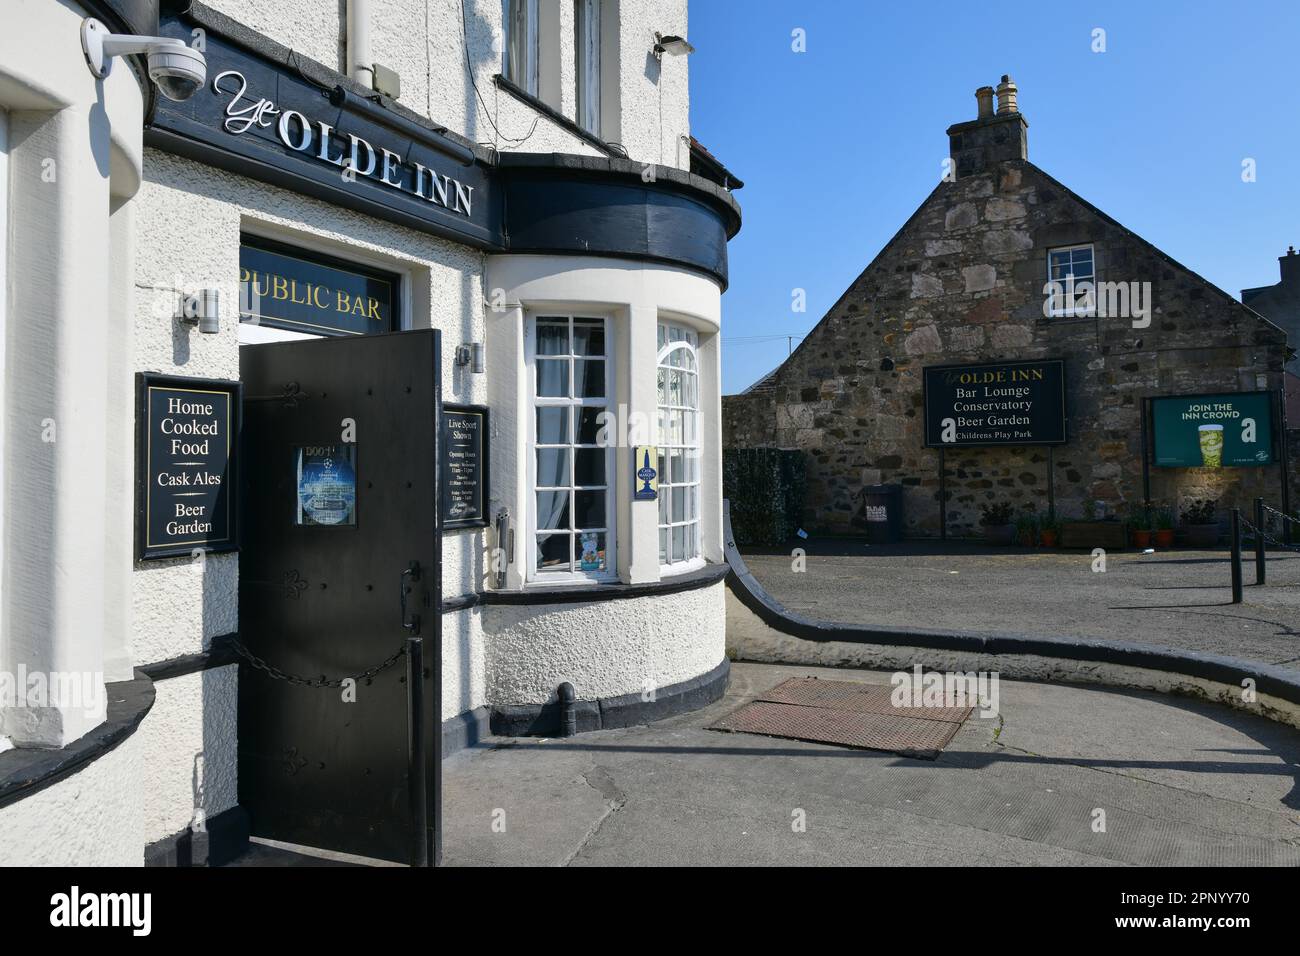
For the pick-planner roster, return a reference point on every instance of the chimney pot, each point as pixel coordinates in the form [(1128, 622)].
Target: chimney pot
[(1007, 96), (984, 97), (1290, 267)]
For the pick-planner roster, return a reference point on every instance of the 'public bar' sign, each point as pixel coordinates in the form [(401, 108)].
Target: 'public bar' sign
[(187, 430), (1008, 403), (284, 288)]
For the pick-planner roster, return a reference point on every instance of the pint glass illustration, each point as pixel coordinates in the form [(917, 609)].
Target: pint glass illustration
[(1211, 445)]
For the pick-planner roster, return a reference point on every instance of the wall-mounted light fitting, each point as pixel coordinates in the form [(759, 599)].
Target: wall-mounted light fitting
[(672, 44), (202, 308), (471, 354)]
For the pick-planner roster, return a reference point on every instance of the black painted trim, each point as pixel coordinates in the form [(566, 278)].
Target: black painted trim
[(222, 839), (221, 653), (555, 116), (25, 771), (608, 713), (1269, 679), (465, 730), (586, 594)]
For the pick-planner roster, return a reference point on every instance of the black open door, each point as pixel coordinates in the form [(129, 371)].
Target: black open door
[(339, 565)]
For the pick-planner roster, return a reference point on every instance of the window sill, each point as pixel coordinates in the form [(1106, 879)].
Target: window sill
[(596, 591), (555, 116)]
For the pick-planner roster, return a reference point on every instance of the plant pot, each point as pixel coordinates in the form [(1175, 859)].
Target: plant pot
[(1141, 539), (999, 534), (1201, 535), (1048, 539), (1164, 538)]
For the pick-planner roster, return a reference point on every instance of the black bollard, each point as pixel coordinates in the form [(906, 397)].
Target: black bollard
[(1236, 555)]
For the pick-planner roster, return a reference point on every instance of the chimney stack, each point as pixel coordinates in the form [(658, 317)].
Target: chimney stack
[(1007, 96), (979, 145), (1290, 264)]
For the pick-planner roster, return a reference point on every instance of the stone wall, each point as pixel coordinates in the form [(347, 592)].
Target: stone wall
[(962, 282)]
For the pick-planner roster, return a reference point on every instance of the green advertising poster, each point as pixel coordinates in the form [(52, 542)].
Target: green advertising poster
[(1233, 430)]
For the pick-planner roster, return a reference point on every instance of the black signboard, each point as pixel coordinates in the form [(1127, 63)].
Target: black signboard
[(1005, 403), (187, 431), (464, 466), (290, 288), (268, 119)]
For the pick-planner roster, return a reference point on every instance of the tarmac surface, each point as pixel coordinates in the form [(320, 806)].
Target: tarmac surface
[(1173, 781), (1179, 598)]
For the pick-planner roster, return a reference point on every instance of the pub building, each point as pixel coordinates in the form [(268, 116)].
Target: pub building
[(333, 331), (1013, 344)]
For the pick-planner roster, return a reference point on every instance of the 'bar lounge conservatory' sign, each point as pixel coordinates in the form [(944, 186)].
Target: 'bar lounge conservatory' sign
[(1008, 403), (1213, 431), (187, 430)]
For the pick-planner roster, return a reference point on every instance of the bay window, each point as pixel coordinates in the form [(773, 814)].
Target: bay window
[(679, 446), (571, 469)]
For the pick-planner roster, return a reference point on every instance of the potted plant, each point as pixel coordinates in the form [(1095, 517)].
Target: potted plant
[(1027, 530), (996, 521), (1201, 523), (1164, 527), (1140, 528), (1049, 528), (1094, 532)]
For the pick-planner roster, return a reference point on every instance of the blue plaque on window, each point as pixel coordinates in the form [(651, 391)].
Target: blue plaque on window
[(327, 485)]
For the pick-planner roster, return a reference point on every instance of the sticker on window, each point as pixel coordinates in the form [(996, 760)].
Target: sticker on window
[(327, 485)]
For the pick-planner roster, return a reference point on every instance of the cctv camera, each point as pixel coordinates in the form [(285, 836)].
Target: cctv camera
[(177, 69)]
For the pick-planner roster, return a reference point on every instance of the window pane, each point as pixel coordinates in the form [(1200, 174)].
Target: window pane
[(663, 386), (553, 426), (552, 467), (589, 466), (663, 465), (678, 509), (589, 425), (664, 495), (679, 543), (553, 378), (552, 338), (589, 511), (552, 510), (676, 470), (588, 337), (590, 379), (663, 545), (553, 551), (591, 551)]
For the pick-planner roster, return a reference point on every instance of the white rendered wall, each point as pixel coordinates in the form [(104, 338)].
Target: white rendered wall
[(92, 818), (604, 648), (73, 158), (423, 40)]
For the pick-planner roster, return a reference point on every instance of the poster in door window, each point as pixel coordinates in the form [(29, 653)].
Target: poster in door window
[(327, 485)]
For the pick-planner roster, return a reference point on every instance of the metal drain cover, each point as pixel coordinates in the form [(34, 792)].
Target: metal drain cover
[(851, 695), (847, 714)]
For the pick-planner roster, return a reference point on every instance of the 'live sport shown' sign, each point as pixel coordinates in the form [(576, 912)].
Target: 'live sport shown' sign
[(1233, 430), (285, 288), (187, 431), (1007, 403)]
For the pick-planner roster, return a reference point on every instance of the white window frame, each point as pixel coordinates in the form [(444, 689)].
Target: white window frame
[(691, 448), (1074, 309), (586, 47), (521, 44), (575, 575)]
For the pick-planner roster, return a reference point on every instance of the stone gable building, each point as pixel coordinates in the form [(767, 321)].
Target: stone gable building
[(963, 282)]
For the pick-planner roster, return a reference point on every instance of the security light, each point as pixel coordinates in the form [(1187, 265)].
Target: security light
[(672, 45), (176, 69)]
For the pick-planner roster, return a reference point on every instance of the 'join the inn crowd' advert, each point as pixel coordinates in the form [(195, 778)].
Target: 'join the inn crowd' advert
[(1008, 403), (187, 432)]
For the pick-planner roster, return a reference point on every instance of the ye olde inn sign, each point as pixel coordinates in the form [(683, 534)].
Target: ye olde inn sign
[(1008, 403), (269, 120), (187, 431)]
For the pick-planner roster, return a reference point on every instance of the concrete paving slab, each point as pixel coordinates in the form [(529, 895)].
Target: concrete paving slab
[(1180, 783)]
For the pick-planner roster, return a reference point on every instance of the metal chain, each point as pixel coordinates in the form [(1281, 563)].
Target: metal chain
[(276, 674), (1268, 537)]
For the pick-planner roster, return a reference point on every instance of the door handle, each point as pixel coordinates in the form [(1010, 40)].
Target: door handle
[(413, 571)]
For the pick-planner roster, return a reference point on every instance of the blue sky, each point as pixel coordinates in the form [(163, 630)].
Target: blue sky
[(838, 145)]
